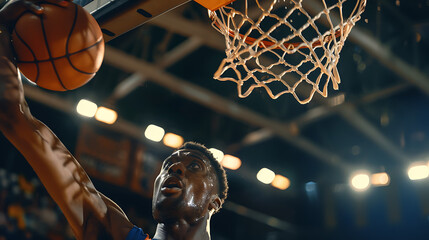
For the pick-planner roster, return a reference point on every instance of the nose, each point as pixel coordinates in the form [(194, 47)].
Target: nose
[(177, 168)]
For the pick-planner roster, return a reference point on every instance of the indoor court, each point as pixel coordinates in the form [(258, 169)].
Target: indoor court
[(351, 165)]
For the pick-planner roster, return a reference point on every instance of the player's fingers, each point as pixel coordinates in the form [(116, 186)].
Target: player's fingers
[(34, 6), (36, 9), (61, 3), (64, 3)]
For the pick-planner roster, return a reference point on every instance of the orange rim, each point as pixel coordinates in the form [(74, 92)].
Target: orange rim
[(266, 43), (359, 7)]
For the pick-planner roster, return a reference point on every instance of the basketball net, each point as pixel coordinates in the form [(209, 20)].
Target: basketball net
[(279, 46)]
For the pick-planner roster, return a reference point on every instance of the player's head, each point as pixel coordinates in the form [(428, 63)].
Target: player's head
[(191, 185), (220, 171)]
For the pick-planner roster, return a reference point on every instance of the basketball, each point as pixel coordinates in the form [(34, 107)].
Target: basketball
[(61, 49)]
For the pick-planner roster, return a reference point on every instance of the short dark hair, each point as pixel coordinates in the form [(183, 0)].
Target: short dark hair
[(220, 171)]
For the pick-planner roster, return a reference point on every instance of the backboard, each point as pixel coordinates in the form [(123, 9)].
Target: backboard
[(120, 16)]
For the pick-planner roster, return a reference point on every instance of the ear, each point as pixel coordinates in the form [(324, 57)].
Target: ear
[(215, 204)]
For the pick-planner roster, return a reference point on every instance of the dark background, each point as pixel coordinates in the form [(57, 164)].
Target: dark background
[(381, 126)]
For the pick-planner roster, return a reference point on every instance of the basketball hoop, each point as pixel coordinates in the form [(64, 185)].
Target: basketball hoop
[(279, 46)]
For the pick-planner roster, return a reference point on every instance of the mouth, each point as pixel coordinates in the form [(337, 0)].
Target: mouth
[(171, 185)]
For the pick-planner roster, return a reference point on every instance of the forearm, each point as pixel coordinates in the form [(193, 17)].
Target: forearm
[(58, 170)]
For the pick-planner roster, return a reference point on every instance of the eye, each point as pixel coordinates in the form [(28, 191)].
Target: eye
[(195, 166)]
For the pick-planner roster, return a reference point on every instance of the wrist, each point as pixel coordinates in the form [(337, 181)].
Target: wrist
[(3, 23), (5, 43)]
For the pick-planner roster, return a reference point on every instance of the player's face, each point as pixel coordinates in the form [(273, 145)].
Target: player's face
[(184, 188)]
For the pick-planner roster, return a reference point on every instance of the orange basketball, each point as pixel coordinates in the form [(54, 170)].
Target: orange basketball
[(61, 49)]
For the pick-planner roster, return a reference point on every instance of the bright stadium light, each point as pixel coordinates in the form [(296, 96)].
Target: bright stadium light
[(360, 181), (154, 133), (418, 171), (280, 182), (106, 115), (265, 175), (86, 108), (380, 179), (217, 154), (172, 140), (231, 162)]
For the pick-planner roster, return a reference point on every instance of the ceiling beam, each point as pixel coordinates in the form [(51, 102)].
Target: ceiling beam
[(135, 80), (379, 51), (323, 111), (350, 114), (262, 217), (386, 57), (125, 87), (175, 23), (58, 103), (179, 52), (217, 103)]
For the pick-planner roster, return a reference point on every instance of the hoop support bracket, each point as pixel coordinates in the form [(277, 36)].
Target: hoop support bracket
[(213, 5)]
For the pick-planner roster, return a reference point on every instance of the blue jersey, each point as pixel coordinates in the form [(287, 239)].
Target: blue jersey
[(137, 233)]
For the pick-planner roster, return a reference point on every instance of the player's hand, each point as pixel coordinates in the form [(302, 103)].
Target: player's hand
[(12, 101), (14, 8), (11, 12)]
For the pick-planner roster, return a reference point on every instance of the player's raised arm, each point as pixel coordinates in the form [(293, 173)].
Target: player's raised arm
[(90, 214)]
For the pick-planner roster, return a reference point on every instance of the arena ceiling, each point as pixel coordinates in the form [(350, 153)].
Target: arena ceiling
[(162, 73)]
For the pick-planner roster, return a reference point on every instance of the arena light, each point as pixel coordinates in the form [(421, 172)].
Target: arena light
[(360, 181), (418, 171), (172, 140), (265, 175), (310, 187), (231, 162), (218, 154), (86, 108), (154, 133), (106, 115), (280, 182), (380, 179)]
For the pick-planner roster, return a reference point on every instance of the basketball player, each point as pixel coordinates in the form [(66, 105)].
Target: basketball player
[(189, 189)]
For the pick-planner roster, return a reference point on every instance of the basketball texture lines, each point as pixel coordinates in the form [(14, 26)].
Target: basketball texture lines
[(59, 50)]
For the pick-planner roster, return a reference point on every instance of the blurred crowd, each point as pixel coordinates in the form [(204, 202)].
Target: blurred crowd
[(27, 211)]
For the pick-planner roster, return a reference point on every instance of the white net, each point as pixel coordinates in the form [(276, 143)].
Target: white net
[(284, 46)]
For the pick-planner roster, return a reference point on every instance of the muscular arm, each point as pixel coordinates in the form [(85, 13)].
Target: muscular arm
[(90, 214)]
